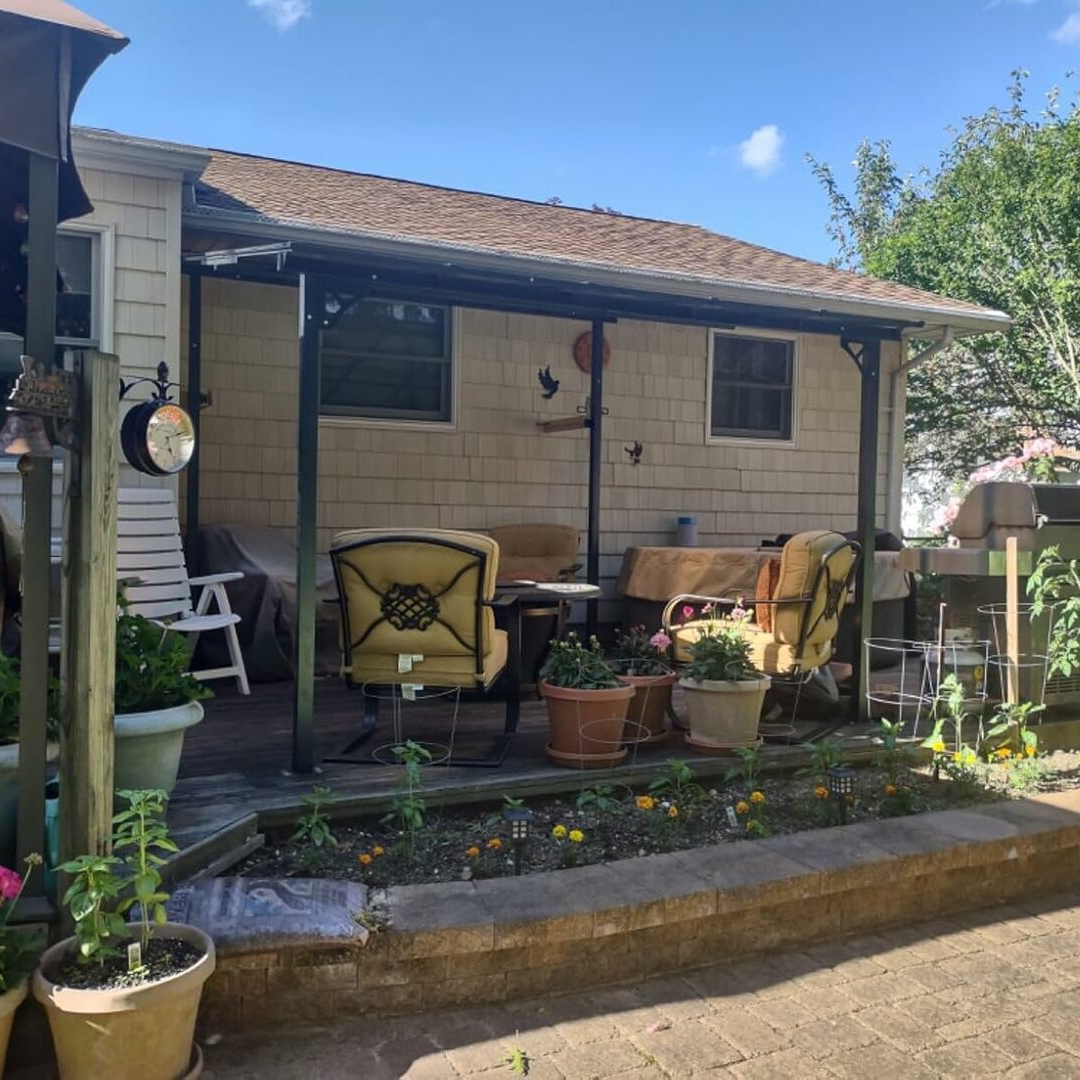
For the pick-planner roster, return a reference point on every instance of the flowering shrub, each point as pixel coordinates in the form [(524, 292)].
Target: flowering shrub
[(638, 653), (722, 652), (574, 666), (569, 841), (18, 947), (754, 815)]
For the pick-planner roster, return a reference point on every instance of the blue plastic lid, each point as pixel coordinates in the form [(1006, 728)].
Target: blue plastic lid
[(687, 521)]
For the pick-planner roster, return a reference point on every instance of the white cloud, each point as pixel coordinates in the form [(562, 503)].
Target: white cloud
[(761, 152), (1068, 33), (284, 14)]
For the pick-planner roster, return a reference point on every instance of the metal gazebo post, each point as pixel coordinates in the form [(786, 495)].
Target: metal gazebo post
[(596, 449)]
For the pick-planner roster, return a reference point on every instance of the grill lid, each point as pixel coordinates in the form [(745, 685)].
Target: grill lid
[(1015, 507)]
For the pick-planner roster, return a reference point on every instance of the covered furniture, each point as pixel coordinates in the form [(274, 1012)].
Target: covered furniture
[(417, 610), (797, 621), (150, 563), (536, 552)]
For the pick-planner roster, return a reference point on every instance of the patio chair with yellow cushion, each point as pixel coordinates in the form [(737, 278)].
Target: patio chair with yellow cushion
[(796, 612), (417, 610), (538, 551)]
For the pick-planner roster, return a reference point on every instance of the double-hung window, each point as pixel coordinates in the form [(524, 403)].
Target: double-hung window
[(387, 360), (751, 387), (77, 304)]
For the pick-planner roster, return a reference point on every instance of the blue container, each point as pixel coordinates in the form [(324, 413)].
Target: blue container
[(686, 532)]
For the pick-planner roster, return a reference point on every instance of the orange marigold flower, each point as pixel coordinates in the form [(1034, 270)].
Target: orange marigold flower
[(757, 796), (494, 843), (365, 859), (378, 850), (890, 789), (1029, 750), (673, 812), (645, 802), (742, 807), (821, 792), (473, 852)]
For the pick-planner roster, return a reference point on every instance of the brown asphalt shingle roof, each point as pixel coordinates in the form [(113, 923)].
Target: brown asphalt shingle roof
[(335, 199)]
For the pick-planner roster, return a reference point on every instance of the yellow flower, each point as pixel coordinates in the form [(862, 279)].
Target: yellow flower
[(378, 850), (673, 812), (821, 792), (956, 756), (559, 832), (576, 836), (473, 852), (757, 796), (494, 843), (365, 859), (742, 806), (1029, 750), (890, 789), (1003, 752), (645, 802), (751, 825), (938, 746)]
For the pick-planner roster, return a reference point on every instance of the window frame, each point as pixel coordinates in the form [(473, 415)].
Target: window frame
[(753, 440), (399, 423)]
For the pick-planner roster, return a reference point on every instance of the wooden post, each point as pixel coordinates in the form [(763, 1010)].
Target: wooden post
[(88, 641), (1012, 621)]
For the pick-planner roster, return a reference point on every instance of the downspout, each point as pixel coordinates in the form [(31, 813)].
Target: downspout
[(897, 388)]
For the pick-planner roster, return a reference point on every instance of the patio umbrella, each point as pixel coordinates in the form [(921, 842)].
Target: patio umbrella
[(48, 50)]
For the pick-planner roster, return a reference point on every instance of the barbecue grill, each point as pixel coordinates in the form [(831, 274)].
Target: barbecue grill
[(1039, 516)]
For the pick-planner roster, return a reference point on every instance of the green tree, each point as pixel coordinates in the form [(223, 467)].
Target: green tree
[(996, 223)]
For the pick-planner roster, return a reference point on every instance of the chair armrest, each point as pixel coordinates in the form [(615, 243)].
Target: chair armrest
[(567, 572), (216, 579)]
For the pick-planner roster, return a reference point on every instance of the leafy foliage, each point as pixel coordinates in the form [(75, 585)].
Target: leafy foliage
[(677, 784), (152, 666), (313, 827), (637, 652), (722, 652), (10, 697), (92, 898), (996, 223), (140, 832), (599, 797), (573, 666), (410, 805), (1054, 588)]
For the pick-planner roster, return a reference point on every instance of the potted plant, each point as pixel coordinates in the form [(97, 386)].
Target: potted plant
[(586, 705), (157, 700), (9, 748), (642, 660), (724, 692), (19, 950), (122, 1000)]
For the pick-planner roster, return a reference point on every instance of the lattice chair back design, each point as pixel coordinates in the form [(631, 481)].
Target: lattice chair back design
[(428, 596), (150, 565), (796, 623)]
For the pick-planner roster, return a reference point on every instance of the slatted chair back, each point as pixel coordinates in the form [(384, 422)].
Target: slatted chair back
[(150, 554)]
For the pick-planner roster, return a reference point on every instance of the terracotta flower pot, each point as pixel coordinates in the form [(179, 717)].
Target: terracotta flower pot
[(10, 1000), (136, 1033), (647, 712), (724, 715), (586, 725)]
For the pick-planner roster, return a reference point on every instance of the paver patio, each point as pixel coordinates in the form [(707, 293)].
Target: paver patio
[(992, 993)]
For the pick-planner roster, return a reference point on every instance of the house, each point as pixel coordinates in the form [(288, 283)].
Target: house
[(405, 326)]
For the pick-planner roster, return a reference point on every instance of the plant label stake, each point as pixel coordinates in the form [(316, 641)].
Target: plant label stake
[(134, 956)]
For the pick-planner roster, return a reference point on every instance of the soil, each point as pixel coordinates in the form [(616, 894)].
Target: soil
[(473, 842), (163, 957)]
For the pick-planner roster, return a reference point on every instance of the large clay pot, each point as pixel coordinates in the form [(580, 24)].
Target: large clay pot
[(586, 725), (149, 744), (10, 1000), (724, 715), (137, 1033), (647, 712)]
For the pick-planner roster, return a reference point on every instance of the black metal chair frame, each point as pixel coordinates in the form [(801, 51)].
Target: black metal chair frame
[(837, 590), (415, 607)]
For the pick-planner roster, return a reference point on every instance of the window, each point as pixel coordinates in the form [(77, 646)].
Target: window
[(751, 387), (386, 360), (76, 305)]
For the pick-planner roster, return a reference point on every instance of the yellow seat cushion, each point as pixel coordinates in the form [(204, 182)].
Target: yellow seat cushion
[(768, 655), (799, 564), (382, 668)]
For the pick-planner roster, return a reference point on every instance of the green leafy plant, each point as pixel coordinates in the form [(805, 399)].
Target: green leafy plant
[(573, 666), (824, 755), (11, 696), (19, 947), (517, 1061), (601, 798), (894, 759), (722, 651), (747, 768), (152, 666), (140, 834), (637, 652), (752, 809), (1054, 588), (313, 827), (409, 806), (677, 785), (92, 899)]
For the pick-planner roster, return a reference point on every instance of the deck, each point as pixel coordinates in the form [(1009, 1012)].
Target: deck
[(236, 763)]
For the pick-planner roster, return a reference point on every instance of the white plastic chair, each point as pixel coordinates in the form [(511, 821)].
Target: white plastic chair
[(150, 557)]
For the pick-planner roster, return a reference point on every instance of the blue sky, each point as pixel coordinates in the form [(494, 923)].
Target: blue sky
[(695, 110)]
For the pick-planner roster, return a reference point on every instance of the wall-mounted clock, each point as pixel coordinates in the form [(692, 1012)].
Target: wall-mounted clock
[(157, 436)]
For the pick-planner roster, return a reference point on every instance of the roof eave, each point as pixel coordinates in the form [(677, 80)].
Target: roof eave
[(934, 318)]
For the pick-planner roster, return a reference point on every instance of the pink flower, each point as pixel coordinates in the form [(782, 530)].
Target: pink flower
[(10, 883), (687, 612), (660, 640)]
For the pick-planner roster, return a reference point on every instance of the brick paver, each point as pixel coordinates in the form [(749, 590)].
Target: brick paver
[(993, 993)]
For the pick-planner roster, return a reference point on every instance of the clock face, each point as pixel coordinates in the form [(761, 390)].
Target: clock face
[(170, 438)]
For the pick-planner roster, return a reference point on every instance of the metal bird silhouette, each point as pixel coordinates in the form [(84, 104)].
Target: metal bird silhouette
[(549, 383), (634, 452)]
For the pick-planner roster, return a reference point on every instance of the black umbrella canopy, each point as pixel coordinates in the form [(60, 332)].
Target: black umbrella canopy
[(48, 50)]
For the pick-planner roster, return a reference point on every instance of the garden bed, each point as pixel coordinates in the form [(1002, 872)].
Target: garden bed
[(607, 821)]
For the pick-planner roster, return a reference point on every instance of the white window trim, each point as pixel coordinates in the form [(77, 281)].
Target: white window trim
[(390, 424), (796, 383)]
